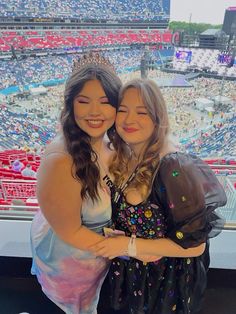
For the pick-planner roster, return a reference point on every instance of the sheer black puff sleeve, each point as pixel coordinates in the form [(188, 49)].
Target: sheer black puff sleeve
[(189, 192)]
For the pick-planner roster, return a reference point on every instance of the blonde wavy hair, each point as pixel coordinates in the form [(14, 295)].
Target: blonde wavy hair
[(155, 104)]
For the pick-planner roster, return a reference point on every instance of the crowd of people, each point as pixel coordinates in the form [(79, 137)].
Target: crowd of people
[(192, 128), (23, 131), (117, 10), (36, 70)]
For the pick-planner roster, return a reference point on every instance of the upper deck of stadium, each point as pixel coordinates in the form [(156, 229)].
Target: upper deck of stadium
[(116, 10)]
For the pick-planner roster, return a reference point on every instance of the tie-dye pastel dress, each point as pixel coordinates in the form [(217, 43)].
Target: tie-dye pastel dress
[(70, 277)]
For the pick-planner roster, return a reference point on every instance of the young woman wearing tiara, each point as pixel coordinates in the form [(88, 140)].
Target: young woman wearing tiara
[(164, 202), (74, 202)]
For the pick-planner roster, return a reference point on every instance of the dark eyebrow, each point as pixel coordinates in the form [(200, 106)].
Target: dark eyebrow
[(80, 95), (139, 107)]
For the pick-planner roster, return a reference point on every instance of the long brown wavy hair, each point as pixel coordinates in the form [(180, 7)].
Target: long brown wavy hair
[(154, 102), (78, 143)]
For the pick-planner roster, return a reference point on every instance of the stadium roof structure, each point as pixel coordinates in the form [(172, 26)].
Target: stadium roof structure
[(212, 32)]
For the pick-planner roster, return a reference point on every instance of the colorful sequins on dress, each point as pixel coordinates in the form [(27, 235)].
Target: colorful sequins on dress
[(180, 207), (70, 277)]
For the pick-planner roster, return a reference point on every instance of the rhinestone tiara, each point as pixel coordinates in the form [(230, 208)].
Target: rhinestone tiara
[(92, 58)]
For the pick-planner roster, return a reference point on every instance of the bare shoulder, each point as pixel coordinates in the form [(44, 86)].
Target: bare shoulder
[(56, 150), (55, 160), (55, 175), (57, 145)]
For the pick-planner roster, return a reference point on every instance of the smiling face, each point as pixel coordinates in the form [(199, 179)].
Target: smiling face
[(92, 110), (133, 122)]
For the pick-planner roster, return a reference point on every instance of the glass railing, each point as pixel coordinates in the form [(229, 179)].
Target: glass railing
[(27, 211)]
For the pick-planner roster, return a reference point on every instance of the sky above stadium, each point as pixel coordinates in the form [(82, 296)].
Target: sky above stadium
[(201, 11)]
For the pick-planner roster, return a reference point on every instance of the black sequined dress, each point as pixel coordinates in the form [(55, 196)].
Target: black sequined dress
[(180, 207)]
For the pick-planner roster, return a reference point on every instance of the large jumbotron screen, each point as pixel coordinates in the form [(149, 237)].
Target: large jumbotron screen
[(183, 55), (224, 58)]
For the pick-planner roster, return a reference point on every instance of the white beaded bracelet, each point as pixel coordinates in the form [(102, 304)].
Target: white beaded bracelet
[(132, 249)]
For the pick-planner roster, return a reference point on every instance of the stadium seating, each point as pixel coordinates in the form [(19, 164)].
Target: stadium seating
[(65, 39), (213, 142), (116, 10), (38, 70)]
